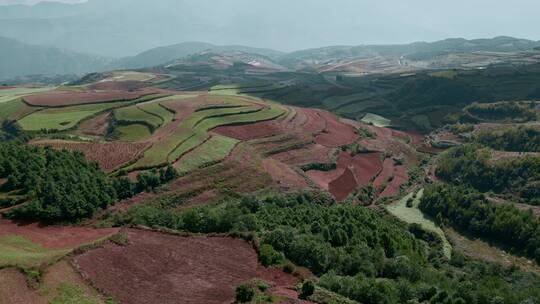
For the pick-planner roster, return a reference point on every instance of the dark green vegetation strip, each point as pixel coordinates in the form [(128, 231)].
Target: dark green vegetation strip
[(62, 186), (359, 253), (522, 139), (468, 210), (470, 165)]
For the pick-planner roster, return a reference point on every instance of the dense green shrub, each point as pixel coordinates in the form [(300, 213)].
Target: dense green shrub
[(468, 210), (268, 256), (61, 186), (512, 139), (244, 293), (308, 288), (471, 165)]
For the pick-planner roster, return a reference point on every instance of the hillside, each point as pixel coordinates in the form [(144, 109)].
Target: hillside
[(252, 199)]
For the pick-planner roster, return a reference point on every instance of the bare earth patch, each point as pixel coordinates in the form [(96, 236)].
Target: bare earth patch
[(54, 237), (162, 268)]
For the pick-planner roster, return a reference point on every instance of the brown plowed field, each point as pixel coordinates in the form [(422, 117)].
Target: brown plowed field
[(343, 185), (315, 123), (284, 175), (162, 268), (109, 156), (386, 173), (96, 126), (400, 177), (251, 131), (66, 98), (15, 290), (336, 133), (352, 172), (54, 237), (310, 154)]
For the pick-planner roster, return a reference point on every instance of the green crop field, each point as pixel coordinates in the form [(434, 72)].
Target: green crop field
[(157, 109), (20, 252), (10, 94), (63, 118), (414, 215), (193, 130), (134, 114), (214, 150), (132, 132)]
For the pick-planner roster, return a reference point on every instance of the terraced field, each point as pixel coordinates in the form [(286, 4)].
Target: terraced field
[(134, 114), (63, 118), (214, 150)]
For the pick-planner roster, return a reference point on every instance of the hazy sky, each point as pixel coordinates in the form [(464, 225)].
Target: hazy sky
[(297, 24)]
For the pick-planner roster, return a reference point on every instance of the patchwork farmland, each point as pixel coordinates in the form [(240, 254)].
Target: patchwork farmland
[(220, 144)]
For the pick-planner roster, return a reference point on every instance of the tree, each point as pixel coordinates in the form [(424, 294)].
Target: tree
[(308, 288), (244, 293)]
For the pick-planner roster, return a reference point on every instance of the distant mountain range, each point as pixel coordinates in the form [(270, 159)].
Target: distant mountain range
[(20, 59)]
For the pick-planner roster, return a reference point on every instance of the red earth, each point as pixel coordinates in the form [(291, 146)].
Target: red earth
[(400, 177), (162, 268), (386, 173), (109, 156), (309, 154), (54, 237), (352, 172), (343, 185), (336, 133), (95, 126), (250, 131), (67, 98), (284, 175)]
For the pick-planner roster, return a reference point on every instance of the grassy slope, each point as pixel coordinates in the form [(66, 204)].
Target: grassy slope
[(133, 132), (414, 215), (9, 108), (20, 252), (156, 109), (134, 114), (215, 149), (63, 118)]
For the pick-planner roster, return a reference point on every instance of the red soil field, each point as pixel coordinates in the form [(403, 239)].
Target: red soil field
[(365, 166), (323, 179), (54, 237), (14, 289), (400, 177), (336, 133), (96, 126), (310, 154), (351, 173), (250, 131), (284, 175), (343, 185), (109, 156), (66, 98), (386, 173), (315, 123), (161, 268)]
